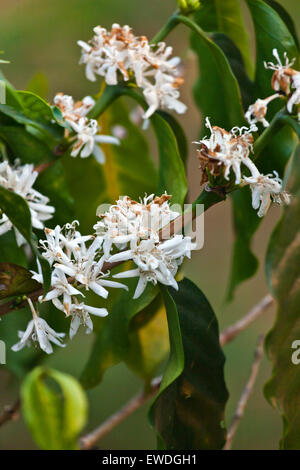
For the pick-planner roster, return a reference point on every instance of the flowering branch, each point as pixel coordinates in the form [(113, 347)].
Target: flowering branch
[(245, 395), (89, 440), (232, 331)]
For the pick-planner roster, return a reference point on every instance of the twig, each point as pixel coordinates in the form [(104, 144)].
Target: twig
[(89, 440), (245, 395), (232, 331), (10, 413)]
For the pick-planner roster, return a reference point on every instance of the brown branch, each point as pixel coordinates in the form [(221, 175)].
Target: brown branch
[(10, 413), (89, 440), (245, 395), (232, 331)]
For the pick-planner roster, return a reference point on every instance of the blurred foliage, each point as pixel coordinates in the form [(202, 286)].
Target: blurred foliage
[(34, 47)]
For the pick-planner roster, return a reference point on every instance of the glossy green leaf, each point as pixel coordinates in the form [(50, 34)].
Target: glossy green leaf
[(10, 252), (179, 134), (112, 342), (148, 340), (171, 170), (38, 110), (216, 91), (25, 146), (15, 280), (17, 210), (128, 169), (286, 18), (189, 410), (237, 65), (226, 17), (283, 273), (54, 407)]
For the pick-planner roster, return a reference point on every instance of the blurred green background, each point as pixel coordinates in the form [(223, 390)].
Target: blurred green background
[(41, 37)]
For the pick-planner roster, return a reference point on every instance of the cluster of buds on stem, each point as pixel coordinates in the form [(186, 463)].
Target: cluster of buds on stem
[(188, 6)]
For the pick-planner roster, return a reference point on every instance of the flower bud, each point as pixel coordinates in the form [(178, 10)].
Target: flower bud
[(188, 6)]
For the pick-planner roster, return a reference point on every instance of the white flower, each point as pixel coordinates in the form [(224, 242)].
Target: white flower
[(156, 261), (20, 180), (230, 149), (283, 73), (119, 54), (87, 130), (264, 189), (107, 53), (39, 331), (163, 93), (257, 111), (80, 316), (130, 221), (72, 111), (75, 266), (88, 140)]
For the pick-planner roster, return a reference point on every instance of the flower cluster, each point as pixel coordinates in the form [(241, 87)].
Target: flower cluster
[(119, 55), (229, 150), (129, 230), (75, 267), (20, 180), (285, 81), (134, 229), (87, 130)]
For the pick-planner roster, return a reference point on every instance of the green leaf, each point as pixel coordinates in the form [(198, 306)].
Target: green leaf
[(39, 85), (216, 91), (17, 210), (179, 134), (189, 410), (148, 340), (15, 280), (226, 17), (25, 146), (236, 62), (283, 274), (54, 408), (171, 169), (38, 110), (112, 342), (286, 18), (10, 252), (128, 169)]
